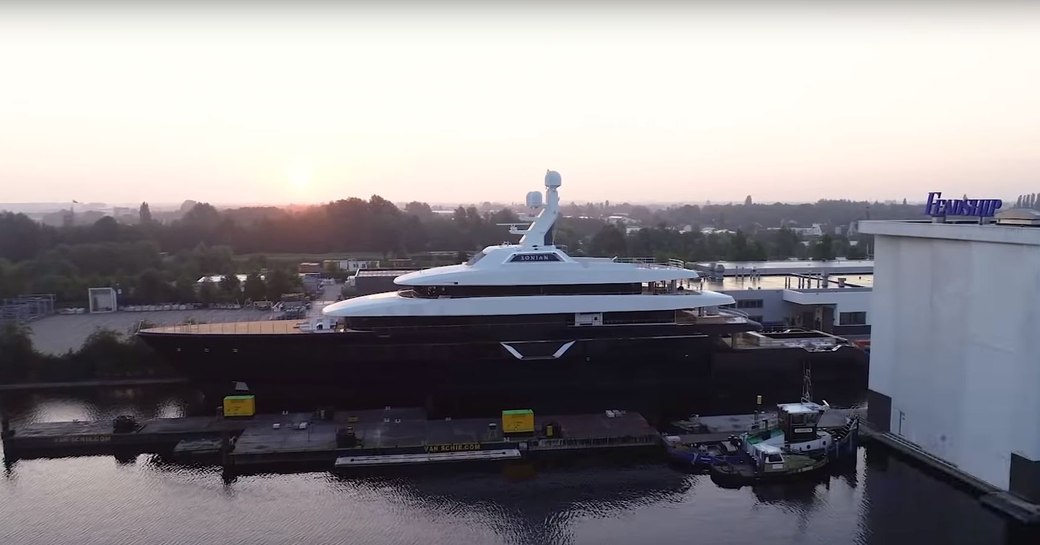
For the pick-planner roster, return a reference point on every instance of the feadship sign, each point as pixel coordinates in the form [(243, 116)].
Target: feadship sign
[(938, 207)]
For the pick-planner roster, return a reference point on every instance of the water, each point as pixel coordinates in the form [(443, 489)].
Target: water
[(97, 500)]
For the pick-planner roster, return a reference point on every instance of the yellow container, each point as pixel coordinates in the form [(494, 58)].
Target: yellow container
[(518, 421), (239, 405)]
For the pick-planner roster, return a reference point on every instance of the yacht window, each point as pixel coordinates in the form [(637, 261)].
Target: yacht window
[(774, 458), (476, 257)]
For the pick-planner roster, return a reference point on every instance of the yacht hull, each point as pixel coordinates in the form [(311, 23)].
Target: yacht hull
[(561, 369)]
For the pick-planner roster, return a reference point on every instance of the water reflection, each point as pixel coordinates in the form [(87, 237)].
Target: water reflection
[(905, 504), (100, 404), (877, 499)]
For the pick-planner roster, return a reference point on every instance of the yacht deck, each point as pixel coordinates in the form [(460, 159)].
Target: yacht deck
[(269, 327)]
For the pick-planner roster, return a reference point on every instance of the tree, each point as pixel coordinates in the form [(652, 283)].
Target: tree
[(785, 242), (150, 287), (747, 200), (824, 248), (16, 352), (278, 284), (609, 241), (105, 229), (184, 289), (20, 237), (255, 289), (420, 210), (857, 252), (207, 293), (231, 286), (739, 247), (144, 214), (202, 215)]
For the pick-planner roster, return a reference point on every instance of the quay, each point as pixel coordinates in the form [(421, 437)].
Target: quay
[(334, 440)]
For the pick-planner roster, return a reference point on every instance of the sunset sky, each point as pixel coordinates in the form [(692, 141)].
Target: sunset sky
[(308, 102)]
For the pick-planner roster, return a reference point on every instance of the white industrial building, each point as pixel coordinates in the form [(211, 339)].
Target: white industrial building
[(955, 365)]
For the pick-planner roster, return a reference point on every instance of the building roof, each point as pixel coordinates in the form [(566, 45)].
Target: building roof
[(786, 281), (218, 277), (782, 266), (967, 231)]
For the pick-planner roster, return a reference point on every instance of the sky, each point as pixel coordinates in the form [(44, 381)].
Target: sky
[(278, 102)]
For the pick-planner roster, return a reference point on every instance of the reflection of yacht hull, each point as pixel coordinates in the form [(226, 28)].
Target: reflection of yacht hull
[(571, 368)]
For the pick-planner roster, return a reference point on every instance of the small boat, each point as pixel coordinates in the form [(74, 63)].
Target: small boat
[(766, 463)]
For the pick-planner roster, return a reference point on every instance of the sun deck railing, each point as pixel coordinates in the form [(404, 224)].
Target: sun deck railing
[(653, 263)]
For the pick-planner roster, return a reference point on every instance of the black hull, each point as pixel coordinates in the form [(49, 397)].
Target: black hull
[(627, 368)]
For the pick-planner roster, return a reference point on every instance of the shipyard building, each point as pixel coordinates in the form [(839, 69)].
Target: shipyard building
[(954, 370), (828, 296)]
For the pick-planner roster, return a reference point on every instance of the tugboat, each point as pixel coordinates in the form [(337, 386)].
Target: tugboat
[(799, 433), (766, 463), (796, 433)]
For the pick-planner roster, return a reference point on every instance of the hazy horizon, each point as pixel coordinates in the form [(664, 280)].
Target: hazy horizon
[(272, 103)]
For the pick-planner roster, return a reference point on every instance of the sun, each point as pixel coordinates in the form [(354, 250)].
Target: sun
[(300, 178)]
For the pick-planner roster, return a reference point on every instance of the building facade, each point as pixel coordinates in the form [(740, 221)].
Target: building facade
[(954, 368)]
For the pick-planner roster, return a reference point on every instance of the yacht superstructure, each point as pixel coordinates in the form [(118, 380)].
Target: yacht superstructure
[(536, 278)]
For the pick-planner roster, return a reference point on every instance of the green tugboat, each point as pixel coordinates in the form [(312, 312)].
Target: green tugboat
[(766, 463)]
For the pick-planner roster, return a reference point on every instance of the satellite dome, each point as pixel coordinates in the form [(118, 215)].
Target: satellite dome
[(552, 179), (534, 199)]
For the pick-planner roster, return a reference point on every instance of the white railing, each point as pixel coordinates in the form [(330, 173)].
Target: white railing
[(740, 313), (651, 262)]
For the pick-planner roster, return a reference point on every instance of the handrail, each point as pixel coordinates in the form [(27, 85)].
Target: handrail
[(652, 262), (738, 312)]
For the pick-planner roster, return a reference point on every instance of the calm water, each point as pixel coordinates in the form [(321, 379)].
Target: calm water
[(96, 500)]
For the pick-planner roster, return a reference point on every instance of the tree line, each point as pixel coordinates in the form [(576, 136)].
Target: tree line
[(1029, 200), (152, 261), (105, 354)]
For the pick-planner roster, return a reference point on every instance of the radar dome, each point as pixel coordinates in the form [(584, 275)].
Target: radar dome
[(534, 199), (552, 179)]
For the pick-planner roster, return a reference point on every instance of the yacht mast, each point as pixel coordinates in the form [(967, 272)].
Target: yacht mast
[(539, 233)]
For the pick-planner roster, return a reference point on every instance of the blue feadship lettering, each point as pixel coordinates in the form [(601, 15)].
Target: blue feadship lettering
[(939, 207)]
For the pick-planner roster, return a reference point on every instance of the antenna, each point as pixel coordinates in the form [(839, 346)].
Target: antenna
[(807, 383)]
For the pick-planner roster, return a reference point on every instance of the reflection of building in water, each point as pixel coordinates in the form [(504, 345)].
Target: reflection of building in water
[(903, 504), (537, 510)]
